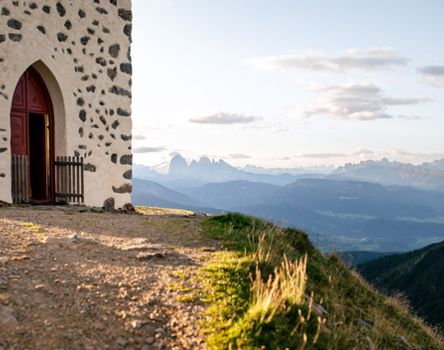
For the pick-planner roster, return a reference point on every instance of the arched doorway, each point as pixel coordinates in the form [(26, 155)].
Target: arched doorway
[(32, 138)]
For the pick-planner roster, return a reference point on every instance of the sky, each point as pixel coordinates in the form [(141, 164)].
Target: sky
[(288, 83)]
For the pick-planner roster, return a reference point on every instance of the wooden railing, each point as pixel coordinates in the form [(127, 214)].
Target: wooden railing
[(20, 180), (69, 179)]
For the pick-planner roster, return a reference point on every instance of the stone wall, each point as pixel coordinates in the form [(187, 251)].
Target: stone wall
[(81, 48)]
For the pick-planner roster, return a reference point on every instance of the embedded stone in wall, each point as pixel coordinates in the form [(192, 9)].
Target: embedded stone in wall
[(126, 159), (84, 40), (114, 50), (120, 91), (89, 167), (82, 115), (15, 37), (60, 9), (126, 68), (126, 188), (14, 24), (122, 112), (112, 73), (62, 37), (109, 204), (128, 30), (126, 15), (128, 174)]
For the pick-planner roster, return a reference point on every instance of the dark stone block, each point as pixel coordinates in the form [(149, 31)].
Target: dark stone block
[(125, 137), (102, 119), (126, 15), (32, 5), (84, 40), (90, 31), (89, 167), (106, 30), (101, 137), (60, 9), (112, 73), (46, 9), (128, 54), (127, 30), (125, 188), (5, 11), (95, 23), (79, 69), (114, 158), (126, 68), (91, 88), (81, 13), (68, 24), (128, 174), (41, 29), (126, 159), (82, 115), (2, 38), (81, 132), (108, 204), (14, 24), (117, 90), (101, 61), (115, 124), (62, 37), (3, 149), (80, 101), (15, 36), (122, 112), (101, 10), (113, 2), (114, 50), (91, 136)]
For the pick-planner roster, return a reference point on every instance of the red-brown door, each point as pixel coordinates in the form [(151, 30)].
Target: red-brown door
[(31, 133)]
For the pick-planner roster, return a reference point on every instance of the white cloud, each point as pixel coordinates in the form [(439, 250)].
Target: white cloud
[(239, 156), (322, 155), (139, 137), (433, 75), (350, 59), (356, 102), (148, 149), (223, 118)]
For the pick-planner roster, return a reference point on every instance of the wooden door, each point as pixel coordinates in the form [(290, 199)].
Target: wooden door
[(32, 134)]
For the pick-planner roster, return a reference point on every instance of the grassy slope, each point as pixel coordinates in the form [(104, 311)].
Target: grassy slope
[(356, 316), (419, 275)]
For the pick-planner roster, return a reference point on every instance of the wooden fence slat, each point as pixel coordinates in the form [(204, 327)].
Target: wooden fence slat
[(19, 181), (69, 179)]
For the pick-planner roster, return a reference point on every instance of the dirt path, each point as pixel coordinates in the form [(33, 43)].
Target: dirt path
[(72, 280)]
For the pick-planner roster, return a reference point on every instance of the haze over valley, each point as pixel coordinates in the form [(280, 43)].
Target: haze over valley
[(379, 206)]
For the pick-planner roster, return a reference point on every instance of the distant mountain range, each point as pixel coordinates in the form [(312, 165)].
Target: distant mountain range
[(426, 176), (378, 206), (419, 275), (200, 172)]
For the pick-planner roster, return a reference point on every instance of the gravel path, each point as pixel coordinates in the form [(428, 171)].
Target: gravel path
[(73, 280)]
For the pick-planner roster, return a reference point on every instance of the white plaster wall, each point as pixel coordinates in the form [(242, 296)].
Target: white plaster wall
[(68, 67)]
